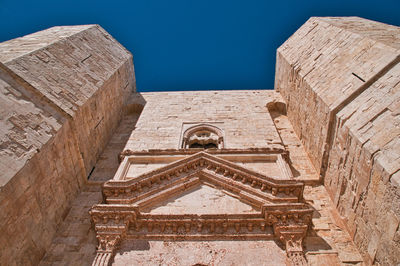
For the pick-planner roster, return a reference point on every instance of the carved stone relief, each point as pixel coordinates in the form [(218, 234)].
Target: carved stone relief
[(281, 214), (203, 136)]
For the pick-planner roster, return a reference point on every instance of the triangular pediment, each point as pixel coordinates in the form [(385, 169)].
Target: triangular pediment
[(201, 199), (178, 176)]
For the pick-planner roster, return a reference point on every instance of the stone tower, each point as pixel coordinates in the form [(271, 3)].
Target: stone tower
[(306, 174)]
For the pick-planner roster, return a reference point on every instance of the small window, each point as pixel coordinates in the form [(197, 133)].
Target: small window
[(203, 137)]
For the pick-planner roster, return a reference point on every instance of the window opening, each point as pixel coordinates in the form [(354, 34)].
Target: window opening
[(203, 137)]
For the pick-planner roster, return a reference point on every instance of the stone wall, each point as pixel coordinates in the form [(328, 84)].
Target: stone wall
[(73, 74), (363, 175), (63, 93), (340, 79), (322, 67), (241, 115)]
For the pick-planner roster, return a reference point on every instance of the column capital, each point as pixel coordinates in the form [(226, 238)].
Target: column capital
[(292, 237)]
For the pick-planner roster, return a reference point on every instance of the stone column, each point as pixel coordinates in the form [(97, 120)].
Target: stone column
[(102, 259), (111, 224), (106, 248)]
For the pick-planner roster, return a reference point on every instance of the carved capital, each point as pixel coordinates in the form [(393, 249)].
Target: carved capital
[(292, 237), (108, 243), (111, 224)]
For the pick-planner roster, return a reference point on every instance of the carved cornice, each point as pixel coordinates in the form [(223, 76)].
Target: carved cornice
[(158, 152), (202, 164), (285, 222), (117, 219), (109, 215), (288, 214)]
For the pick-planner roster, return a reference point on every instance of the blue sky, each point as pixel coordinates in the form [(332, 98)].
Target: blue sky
[(192, 45)]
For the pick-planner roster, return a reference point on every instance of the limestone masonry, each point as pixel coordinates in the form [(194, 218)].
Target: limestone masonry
[(95, 173)]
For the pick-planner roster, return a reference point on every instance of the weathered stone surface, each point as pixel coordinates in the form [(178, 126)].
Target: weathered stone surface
[(63, 92), (240, 114), (323, 66), (340, 78), (75, 241), (202, 200), (364, 156), (200, 253)]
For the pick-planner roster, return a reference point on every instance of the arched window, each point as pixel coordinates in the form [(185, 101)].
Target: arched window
[(203, 136)]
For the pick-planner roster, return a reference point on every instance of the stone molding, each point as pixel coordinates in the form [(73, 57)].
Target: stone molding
[(156, 152), (204, 164), (282, 213)]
